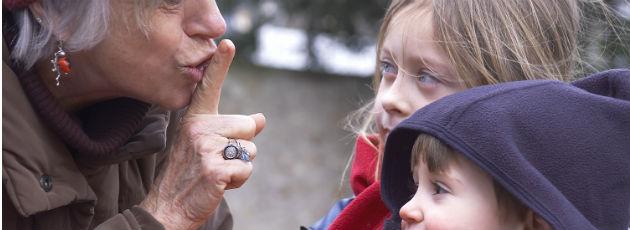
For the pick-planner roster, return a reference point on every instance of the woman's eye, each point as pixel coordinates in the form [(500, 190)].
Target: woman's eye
[(439, 189), (387, 69)]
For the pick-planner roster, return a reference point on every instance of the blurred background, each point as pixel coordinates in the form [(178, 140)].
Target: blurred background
[(307, 64)]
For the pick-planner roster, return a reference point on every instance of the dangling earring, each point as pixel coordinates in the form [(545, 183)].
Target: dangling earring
[(61, 65)]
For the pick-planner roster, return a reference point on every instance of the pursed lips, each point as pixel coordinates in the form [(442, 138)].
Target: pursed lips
[(203, 54), (197, 69)]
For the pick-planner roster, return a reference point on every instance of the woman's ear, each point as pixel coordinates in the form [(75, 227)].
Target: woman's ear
[(534, 222), (48, 21), (36, 10)]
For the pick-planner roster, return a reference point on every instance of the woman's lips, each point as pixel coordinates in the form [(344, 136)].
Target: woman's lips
[(196, 73)]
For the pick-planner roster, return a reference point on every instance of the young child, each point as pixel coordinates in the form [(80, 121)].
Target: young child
[(519, 155), (428, 49)]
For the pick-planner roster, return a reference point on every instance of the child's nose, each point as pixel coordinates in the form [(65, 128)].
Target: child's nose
[(411, 212), (394, 101)]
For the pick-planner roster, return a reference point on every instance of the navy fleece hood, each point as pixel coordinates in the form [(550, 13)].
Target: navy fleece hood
[(562, 149)]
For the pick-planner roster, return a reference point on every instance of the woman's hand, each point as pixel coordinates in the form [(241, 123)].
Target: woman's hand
[(196, 175)]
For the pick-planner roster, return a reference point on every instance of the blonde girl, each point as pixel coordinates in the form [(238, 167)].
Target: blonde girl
[(428, 49)]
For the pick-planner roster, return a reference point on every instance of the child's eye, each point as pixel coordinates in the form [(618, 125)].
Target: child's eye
[(426, 79), (387, 69), (439, 188)]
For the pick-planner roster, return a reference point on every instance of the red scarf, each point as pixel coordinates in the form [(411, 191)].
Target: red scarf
[(367, 210)]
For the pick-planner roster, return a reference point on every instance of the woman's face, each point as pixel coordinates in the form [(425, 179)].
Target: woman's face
[(162, 67), (414, 70)]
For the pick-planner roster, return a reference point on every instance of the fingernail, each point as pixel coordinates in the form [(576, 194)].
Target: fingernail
[(223, 47)]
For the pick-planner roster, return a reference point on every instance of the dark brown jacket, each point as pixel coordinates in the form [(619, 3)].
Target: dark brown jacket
[(44, 188)]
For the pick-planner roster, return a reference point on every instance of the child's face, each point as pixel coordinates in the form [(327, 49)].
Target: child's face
[(415, 71), (460, 197)]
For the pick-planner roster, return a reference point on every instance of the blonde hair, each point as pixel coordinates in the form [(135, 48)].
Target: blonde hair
[(489, 42)]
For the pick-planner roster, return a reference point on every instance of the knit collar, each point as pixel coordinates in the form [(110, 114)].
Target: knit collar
[(97, 132)]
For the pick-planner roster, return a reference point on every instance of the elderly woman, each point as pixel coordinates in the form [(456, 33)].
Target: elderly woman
[(101, 140)]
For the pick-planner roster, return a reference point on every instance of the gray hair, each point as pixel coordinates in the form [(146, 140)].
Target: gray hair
[(85, 23)]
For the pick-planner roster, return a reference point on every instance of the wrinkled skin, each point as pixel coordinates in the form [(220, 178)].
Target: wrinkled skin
[(197, 176)]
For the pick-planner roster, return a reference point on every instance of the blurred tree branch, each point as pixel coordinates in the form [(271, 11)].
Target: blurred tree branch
[(355, 23)]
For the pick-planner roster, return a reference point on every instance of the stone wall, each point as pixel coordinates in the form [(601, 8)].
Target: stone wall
[(303, 150)]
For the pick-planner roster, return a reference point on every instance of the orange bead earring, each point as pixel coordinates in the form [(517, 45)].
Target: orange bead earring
[(61, 65)]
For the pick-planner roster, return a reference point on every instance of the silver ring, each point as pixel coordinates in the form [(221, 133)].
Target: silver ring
[(232, 150)]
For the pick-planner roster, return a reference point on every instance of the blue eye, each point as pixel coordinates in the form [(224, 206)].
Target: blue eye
[(387, 69), (439, 189), (427, 79)]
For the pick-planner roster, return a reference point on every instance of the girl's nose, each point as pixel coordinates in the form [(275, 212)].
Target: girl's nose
[(395, 101)]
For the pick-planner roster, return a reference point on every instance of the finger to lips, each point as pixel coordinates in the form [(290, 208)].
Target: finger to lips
[(205, 99)]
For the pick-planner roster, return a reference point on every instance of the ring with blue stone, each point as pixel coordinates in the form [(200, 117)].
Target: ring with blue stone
[(244, 155)]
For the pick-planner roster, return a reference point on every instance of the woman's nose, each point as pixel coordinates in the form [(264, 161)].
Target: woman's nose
[(411, 212), (203, 19), (395, 100)]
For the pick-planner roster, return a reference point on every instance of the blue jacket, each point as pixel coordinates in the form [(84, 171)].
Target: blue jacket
[(562, 149)]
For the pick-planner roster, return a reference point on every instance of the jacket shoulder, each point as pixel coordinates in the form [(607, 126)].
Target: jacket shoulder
[(38, 172)]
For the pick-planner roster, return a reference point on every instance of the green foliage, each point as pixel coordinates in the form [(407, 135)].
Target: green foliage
[(352, 22)]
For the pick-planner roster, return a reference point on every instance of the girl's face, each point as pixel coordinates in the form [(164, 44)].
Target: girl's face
[(460, 197), (162, 68), (414, 70)]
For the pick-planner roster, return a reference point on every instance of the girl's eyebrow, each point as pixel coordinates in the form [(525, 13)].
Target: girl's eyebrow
[(385, 52), (431, 63)]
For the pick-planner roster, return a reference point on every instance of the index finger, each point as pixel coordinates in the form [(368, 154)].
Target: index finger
[(205, 99)]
